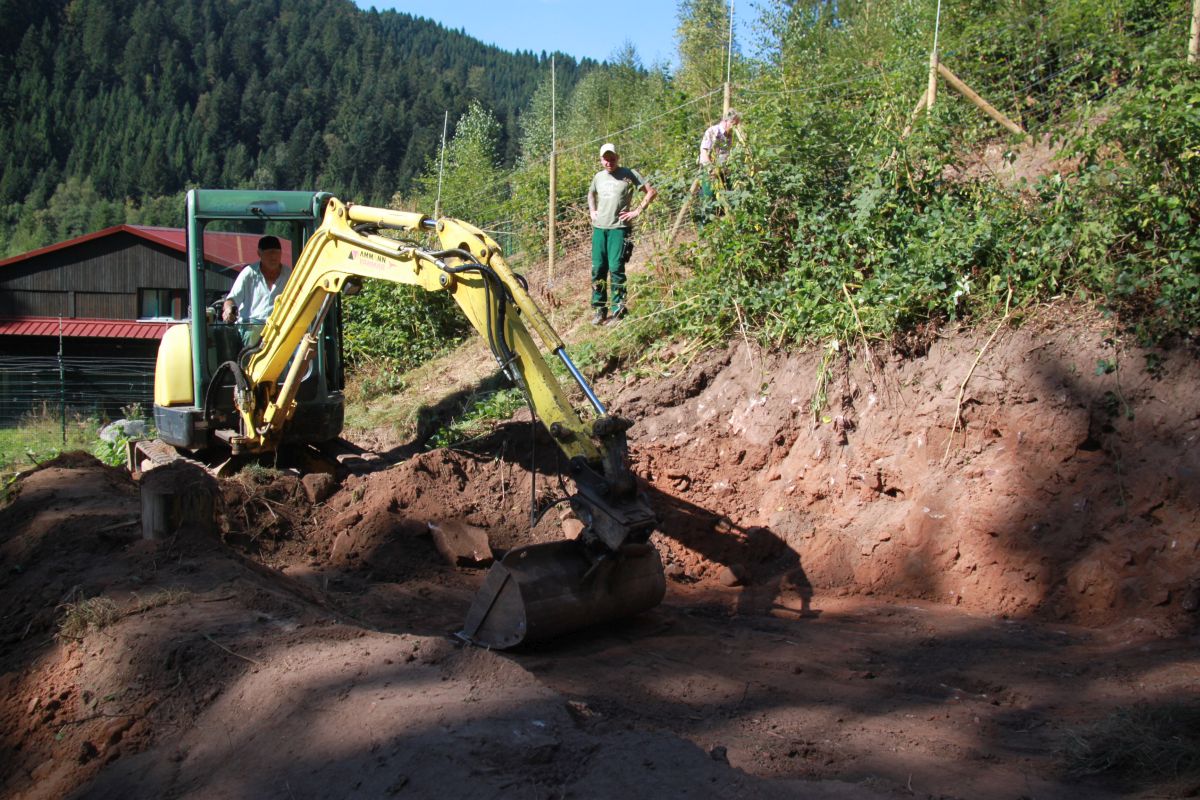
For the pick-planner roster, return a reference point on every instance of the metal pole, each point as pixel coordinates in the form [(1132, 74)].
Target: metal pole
[(553, 216), (437, 204), (931, 95), (729, 62), (62, 383), (583, 384), (196, 299)]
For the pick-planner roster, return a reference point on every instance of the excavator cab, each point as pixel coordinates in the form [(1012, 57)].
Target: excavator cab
[(194, 404)]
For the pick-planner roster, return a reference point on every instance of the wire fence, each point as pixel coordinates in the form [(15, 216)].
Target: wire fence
[(69, 389)]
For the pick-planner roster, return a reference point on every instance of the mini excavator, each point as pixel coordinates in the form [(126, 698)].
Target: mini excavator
[(211, 391)]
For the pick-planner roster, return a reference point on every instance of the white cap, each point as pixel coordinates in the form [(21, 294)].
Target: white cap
[(608, 147)]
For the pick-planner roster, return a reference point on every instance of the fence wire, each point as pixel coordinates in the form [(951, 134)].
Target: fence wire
[(73, 387)]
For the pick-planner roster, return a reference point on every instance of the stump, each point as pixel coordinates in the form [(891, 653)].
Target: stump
[(176, 495)]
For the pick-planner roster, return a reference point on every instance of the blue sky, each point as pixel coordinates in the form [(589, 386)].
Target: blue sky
[(575, 27)]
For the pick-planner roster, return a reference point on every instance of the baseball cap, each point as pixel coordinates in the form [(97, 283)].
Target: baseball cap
[(608, 147)]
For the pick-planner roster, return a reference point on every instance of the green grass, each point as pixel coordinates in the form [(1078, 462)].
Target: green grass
[(480, 413), (39, 438)]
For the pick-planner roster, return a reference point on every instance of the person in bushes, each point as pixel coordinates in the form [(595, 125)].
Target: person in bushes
[(610, 203), (714, 151)]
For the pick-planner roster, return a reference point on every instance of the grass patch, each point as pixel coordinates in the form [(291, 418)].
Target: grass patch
[(87, 615), (38, 437), (1141, 745), (164, 597), (481, 411)]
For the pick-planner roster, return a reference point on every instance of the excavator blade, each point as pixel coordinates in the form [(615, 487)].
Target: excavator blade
[(546, 590)]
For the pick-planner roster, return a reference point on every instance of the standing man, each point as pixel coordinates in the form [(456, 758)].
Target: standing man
[(610, 198), (714, 151), (256, 287)]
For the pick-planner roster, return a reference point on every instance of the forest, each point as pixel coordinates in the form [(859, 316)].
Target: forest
[(846, 218), (112, 108)]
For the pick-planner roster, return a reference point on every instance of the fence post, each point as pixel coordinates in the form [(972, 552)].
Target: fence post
[(1194, 41), (437, 204), (729, 64), (62, 384), (553, 217), (931, 91), (987, 108)]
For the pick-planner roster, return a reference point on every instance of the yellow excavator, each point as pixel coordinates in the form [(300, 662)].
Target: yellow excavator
[(212, 392)]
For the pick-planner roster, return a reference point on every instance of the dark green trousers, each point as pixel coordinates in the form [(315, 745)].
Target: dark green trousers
[(610, 252)]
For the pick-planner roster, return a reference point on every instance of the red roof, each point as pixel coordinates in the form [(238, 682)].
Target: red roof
[(82, 328), (220, 248)]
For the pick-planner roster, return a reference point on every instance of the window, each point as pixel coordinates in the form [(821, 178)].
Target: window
[(162, 303)]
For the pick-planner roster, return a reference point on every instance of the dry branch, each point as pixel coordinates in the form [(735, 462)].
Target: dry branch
[(963, 386)]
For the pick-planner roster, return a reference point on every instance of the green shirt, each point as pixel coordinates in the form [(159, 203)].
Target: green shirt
[(614, 193)]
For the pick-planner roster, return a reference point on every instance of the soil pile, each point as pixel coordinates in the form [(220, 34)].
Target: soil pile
[(877, 601), (1068, 488)]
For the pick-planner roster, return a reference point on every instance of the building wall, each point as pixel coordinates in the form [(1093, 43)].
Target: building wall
[(98, 279)]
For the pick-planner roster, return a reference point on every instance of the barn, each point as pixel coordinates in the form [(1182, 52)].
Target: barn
[(80, 320)]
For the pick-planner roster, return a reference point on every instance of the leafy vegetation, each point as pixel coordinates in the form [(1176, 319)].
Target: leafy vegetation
[(478, 412), (844, 219), (841, 228)]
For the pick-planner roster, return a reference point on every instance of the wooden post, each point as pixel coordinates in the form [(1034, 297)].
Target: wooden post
[(931, 90), (687, 202), (984, 105), (913, 116), (437, 204), (1194, 41), (553, 216), (552, 219), (728, 64)]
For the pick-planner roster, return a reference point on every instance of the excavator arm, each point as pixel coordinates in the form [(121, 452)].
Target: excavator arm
[(534, 592)]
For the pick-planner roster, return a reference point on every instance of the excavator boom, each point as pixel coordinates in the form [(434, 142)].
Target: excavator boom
[(535, 592)]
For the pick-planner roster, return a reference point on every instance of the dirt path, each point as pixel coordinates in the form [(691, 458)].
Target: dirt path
[(908, 618)]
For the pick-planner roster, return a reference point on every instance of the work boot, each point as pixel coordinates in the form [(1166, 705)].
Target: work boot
[(599, 317), (618, 314)]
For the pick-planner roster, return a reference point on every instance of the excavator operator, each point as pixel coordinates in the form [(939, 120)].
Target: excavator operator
[(253, 294)]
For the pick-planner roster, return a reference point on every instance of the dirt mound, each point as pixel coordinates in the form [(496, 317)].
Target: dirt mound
[(380, 521), (858, 606), (1067, 490), (195, 672)]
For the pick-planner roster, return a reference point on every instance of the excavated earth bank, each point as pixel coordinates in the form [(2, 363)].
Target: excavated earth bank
[(871, 603)]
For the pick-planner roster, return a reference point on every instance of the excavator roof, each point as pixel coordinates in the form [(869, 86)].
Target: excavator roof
[(254, 204)]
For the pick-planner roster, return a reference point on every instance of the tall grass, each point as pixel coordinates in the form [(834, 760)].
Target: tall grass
[(40, 436)]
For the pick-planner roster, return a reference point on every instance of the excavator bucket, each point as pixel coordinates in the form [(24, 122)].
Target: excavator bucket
[(546, 590)]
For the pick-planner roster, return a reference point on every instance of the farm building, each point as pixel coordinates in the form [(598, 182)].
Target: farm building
[(80, 320)]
